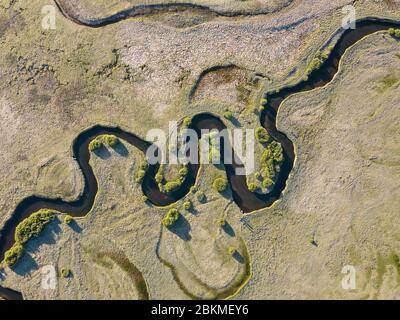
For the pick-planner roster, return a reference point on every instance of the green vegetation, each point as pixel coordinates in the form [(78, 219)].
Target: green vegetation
[(13, 255), (105, 139), (144, 198), (66, 273), (140, 174), (173, 185), (394, 32), (252, 187), (183, 171), (68, 219), (231, 251), (188, 205), (171, 217), (220, 184), (317, 62), (186, 122), (31, 227), (262, 135), (201, 196), (228, 115), (109, 140), (95, 145), (271, 161)]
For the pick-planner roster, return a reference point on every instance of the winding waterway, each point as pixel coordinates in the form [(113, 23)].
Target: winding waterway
[(246, 200)]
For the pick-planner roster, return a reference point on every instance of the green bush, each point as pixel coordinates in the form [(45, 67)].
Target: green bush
[(252, 187), (33, 225), (183, 171), (172, 186), (170, 218), (220, 184), (187, 205), (186, 122), (394, 32), (13, 255), (144, 198), (201, 196), (140, 175), (231, 251), (159, 177), (110, 140), (68, 219), (267, 183), (66, 273), (95, 144), (262, 135), (228, 115)]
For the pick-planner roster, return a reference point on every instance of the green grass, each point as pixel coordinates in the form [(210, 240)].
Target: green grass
[(220, 184), (170, 218)]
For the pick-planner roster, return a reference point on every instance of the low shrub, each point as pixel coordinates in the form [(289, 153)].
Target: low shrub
[(68, 219), (231, 251), (183, 171), (95, 145), (228, 115), (140, 174), (172, 186), (144, 198), (252, 187), (220, 184), (170, 218), (262, 135), (33, 225), (187, 205), (110, 140), (66, 273), (13, 255), (394, 32), (186, 122)]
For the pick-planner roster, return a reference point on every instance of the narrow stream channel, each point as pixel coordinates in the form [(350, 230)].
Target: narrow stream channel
[(246, 200)]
